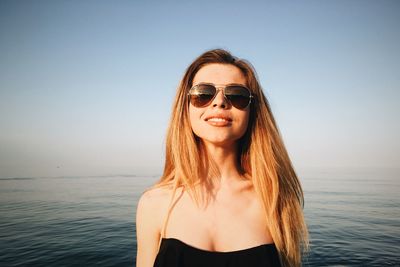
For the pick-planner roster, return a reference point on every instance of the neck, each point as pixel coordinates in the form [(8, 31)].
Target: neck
[(225, 159)]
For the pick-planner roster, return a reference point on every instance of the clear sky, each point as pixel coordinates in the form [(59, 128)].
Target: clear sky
[(86, 87)]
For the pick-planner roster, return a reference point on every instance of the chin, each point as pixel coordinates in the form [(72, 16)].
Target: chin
[(220, 141)]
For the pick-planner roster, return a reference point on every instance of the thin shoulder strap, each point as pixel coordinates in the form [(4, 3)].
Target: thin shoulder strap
[(171, 206)]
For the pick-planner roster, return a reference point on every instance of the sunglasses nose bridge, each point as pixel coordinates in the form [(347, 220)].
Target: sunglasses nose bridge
[(224, 99), (218, 89)]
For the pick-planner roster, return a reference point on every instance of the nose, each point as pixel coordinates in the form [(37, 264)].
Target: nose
[(220, 100)]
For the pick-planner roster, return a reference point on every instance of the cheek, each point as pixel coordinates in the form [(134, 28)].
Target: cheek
[(244, 123), (194, 117)]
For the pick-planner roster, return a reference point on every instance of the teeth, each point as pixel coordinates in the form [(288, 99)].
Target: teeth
[(217, 119)]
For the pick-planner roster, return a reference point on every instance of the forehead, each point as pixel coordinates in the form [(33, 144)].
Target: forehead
[(219, 74)]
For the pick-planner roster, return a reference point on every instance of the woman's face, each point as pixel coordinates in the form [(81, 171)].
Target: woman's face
[(219, 123)]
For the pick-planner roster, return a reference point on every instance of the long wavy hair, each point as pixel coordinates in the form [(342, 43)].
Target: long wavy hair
[(262, 158)]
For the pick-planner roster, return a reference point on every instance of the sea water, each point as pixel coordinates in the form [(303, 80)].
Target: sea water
[(353, 219)]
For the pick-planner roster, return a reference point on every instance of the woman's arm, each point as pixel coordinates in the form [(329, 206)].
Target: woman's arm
[(148, 228)]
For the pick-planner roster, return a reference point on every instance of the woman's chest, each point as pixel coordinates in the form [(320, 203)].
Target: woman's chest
[(223, 224)]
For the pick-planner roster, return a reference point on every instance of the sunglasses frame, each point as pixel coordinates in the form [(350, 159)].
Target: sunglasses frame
[(221, 87)]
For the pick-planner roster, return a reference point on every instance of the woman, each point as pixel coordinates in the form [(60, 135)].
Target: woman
[(229, 195)]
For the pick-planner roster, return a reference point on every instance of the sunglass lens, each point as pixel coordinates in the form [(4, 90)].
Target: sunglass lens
[(201, 95), (239, 96)]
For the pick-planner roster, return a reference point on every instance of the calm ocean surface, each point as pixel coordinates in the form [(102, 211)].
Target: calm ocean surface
[(353, 218)]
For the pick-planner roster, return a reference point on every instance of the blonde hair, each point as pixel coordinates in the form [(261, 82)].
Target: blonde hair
[(262, 158)]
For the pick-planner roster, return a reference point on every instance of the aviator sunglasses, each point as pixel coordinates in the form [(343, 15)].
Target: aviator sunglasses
[(202, 94)]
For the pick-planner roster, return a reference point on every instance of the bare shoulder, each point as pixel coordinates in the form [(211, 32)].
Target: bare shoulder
[(154, 202), (155, 197), (151, 211)]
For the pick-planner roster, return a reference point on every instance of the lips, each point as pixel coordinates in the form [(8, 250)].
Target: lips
[(218, 120)]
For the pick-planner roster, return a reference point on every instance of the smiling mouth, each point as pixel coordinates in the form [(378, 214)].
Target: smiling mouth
[(219, 121)]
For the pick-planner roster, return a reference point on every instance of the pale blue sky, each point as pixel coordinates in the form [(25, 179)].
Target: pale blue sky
[(86, 87)]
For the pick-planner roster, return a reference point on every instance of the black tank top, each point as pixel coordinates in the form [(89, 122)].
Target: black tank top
[(175, 253)]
